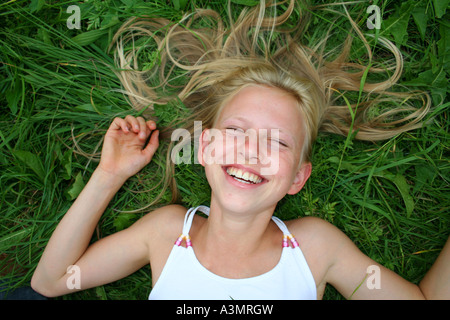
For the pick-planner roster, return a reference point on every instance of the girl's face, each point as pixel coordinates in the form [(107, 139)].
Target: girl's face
[(252, 156)]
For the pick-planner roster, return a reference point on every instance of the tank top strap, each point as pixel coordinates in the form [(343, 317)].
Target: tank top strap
[(281, 225), (287, 235), (188, 218)]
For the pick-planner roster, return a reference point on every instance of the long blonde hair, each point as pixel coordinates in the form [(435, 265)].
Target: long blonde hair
[(215, 62)]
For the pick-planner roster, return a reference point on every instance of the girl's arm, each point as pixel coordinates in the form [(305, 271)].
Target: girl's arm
[(356, 276), (436, 283), (111, 258)]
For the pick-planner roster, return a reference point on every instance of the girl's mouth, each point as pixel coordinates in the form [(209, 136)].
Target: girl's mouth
[(243, 176)]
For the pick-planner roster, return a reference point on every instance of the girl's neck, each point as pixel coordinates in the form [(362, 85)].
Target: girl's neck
[(228, 230), (237, 244)]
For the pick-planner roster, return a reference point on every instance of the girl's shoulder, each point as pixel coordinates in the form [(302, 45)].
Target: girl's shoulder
[(315, 233), (165, 222), (309, 228), (320, 242), (159, 229)]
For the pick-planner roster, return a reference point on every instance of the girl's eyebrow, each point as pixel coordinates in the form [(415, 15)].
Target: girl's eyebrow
[(239, 118)]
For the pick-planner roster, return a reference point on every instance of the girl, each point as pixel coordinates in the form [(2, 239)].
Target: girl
[(238, 84)]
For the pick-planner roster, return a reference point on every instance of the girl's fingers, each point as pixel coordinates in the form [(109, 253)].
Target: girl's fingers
[(120, 123), (143, 130), (133, 122), (137, 125), (151, 125), (152, 145)]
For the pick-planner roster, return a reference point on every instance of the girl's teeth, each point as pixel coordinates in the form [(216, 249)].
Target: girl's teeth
[(246, 177)]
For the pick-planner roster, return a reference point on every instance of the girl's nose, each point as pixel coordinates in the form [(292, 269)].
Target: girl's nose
[(251, 152)]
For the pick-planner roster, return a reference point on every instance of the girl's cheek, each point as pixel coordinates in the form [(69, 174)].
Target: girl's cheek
[(279, 163), (271, 169), (218, 152), (224, 151)]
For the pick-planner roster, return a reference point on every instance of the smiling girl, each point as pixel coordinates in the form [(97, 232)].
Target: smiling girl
[(237, 85)]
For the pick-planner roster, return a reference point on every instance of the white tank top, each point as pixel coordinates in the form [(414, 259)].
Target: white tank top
[(185, 278)]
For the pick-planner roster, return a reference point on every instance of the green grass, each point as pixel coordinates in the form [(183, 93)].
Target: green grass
[(58, 94)]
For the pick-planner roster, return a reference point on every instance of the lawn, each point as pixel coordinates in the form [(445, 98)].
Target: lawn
[(59, 92)]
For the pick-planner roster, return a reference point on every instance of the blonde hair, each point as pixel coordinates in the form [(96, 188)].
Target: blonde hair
[(258, 49)]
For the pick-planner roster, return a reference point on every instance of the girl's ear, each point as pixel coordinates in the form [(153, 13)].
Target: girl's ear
[(300, 179), (202, 144)]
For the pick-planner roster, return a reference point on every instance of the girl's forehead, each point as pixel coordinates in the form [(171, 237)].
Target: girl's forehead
[(263, 105)]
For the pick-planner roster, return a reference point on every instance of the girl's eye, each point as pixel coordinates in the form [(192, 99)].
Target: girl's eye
[(234, 130), (280, 143)]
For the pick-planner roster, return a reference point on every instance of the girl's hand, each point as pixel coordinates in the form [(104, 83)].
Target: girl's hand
[(124, 152)]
